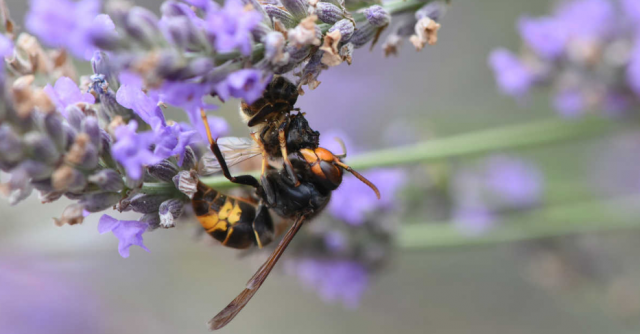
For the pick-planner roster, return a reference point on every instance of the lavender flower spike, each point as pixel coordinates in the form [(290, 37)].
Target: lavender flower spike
[(231, 26), (129, 232)]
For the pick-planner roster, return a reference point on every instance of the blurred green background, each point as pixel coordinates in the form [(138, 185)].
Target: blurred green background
[(74, 278)]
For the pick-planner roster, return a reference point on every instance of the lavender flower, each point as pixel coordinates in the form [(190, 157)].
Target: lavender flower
[(334, 280), (512, 76), (133, 150), (130, 95), (129, 232), (582, 61), (66, 93), (245, 84), (68, 24), (230, 27), (497, 183)]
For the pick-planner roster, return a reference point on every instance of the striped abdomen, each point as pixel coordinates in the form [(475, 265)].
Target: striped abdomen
[(233, 221)]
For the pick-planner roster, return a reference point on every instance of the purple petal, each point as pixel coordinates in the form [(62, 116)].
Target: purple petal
[(6, 46), (107, 224)]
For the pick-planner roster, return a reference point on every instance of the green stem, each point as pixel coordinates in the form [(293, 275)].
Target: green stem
[(555, 221), (504, 138)]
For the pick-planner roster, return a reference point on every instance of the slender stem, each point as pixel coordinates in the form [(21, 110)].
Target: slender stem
[(555, 221), (504, 138)]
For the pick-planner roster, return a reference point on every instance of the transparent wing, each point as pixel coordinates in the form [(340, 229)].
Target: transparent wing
[(235, 151)]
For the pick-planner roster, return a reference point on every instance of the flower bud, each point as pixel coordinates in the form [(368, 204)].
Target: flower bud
[(101, 65), (11, 149), (377, 16), (112, 108), (345, 27), (91, 127), (53, 125), (434, 10), (142, 25), (189, 161), (147, 203), (67, 178), (186, 182), (100, 201), (36, 170), (329, 13), (178, 30), (170, 211), (44, 185), (297, 8), (163, 171), (105, 152), (75, 116), (152, 220), (283, 16), (41, 147), (107, 180), (48, 196)]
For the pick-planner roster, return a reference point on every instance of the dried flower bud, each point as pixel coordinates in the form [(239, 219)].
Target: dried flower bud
[(16, 195), (108, 180), (330, 48), (346, 52), (391, 45), (100, 201), (311, 71), (426, 32), (346, 28), (101, 65), (72, 215), (42, 147), (82, 153), (186, 182), (283, 16), (170, 211), (142, 25), (377, 16), (48, 196), (274, 43), (147, 203), (297, 8), (163, 171), (329, 13), (68, 179), (304, 33), (11, 149)]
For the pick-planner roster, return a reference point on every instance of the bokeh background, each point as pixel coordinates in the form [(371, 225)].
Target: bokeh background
[(72, 280)]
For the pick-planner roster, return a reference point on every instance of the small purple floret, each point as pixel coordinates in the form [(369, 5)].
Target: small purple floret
[(129, 232), (66, 92)]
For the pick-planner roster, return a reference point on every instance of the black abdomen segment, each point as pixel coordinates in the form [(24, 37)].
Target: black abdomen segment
[(232, 221), (280, 94)]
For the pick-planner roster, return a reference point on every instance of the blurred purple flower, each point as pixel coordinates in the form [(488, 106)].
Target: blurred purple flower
[(6, 47), (512, 77), (354, 200), (133, 150), (473, 219), (516, 181), (67, 24), (570, 103), (633, 69), (247, 84), (586, 19), (129, 232), (66, 92), (334, 280), (231, 25), (130, 95), (632, 9), (544, 35)]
